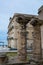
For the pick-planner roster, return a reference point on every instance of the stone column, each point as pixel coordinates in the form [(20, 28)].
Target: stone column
[(37, 40), (22, 54)]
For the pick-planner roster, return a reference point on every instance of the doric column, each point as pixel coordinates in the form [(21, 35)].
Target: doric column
[(22, 43), (37, 39), (37, 42), (22, 54)]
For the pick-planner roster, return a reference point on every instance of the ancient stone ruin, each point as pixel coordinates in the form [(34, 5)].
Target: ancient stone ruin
[(3, 58), (36, 22), (22, 41)]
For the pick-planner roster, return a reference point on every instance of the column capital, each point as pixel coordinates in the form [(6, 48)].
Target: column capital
[(21, 20), (36, 21)]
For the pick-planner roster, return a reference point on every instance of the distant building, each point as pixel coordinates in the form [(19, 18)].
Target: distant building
[(13, 29)]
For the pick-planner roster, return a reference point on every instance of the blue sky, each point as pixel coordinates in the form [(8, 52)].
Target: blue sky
[(9, 7)]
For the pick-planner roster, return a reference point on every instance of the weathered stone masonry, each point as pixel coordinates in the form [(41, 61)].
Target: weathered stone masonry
[(22, 53), (37, 42), (37, 49), (36, 21)]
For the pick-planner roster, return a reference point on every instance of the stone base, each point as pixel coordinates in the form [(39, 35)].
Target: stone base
[(16, 61)]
